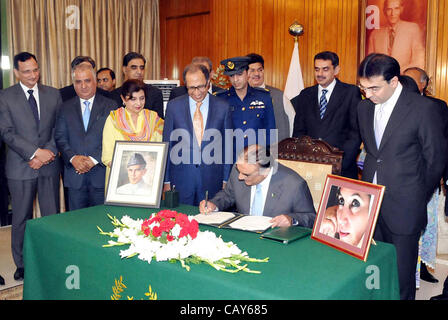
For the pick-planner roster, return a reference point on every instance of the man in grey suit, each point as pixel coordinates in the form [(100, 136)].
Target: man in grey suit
[(260, 186), (27, 118), (256, 80)]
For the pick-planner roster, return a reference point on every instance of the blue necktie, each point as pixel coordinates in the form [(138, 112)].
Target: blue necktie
[(257, 203), (86, 115), (33, 105), (323, 103)]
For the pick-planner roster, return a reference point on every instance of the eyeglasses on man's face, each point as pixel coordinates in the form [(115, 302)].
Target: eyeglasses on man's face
[(201, 87), (373, 89)]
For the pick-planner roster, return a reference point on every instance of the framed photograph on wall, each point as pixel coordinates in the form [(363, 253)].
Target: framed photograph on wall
[(403, 29), (137, 173), (347, 215)]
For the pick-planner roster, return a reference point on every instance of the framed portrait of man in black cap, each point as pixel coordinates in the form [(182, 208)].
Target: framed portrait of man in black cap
[(137, 171)]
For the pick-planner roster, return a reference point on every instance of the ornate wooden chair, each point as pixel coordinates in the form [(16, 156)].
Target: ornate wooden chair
[(312, 159)]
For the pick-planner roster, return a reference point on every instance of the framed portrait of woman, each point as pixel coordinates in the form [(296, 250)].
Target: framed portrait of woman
[(347, 215)]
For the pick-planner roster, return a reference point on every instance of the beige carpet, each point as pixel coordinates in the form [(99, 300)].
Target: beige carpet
[(14, 293), (12, 290)]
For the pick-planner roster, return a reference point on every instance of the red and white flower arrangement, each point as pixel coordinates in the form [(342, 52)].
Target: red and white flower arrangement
[(173, 236)]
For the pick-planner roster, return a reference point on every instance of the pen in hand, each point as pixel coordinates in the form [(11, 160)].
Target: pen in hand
[(206, 201)]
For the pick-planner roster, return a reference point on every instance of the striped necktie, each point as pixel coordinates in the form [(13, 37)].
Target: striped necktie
[(198, 123), (323, 103), (33, 104)]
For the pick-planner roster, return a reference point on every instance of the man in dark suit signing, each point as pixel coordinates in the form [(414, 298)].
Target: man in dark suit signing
[(79, 136), (327, 111), (260, 186), (28, 113), (405, 147)]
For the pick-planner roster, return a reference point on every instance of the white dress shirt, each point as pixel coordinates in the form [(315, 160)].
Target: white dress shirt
[(382, 114), (329, 89), (83, 106), (35, 95)]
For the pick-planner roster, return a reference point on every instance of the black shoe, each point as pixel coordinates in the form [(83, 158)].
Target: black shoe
[(440, 297), (19, 274), (2, 281), (425, 275)]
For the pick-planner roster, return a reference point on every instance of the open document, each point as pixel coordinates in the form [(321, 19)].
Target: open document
[(231, 220)]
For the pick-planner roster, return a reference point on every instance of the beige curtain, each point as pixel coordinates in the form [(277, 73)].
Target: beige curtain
[(56, 31)]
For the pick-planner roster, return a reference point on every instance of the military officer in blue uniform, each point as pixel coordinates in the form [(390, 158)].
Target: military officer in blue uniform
[(251, 107)]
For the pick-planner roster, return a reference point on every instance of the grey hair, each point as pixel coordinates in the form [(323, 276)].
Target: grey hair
[(83, 67)]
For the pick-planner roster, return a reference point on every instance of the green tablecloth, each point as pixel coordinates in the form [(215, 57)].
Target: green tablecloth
[(59, 248)]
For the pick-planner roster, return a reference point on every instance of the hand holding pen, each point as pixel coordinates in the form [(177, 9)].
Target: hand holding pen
[(206, 206)]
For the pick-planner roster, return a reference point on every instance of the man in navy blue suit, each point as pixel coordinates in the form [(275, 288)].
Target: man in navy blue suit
[(78, 135), (195, 127)]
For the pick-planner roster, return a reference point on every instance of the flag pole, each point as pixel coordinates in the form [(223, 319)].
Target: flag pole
[(294, 82)]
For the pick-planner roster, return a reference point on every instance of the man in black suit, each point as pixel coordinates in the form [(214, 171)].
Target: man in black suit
[(79, 136), (28, 112), (327, 111), (69, 92), (134, 68), (206, 62), (406, 152), (422, 80)]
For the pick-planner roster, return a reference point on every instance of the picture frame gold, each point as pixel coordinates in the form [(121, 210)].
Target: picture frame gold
[(347, 215)]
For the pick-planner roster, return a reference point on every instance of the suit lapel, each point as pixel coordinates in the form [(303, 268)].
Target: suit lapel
[(370, 114), (188, 117), (335, 99), (396, 118), (274, 190), (43, 106), (77, 113), (211, 113), (315, 102), (96, 110)]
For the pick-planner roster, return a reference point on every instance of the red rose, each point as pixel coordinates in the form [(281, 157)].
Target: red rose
[(145, 227), (167, 214), (156, 232), (155, 219), (194, 228), (182, 220), (169, 237), (147, 231), (166, 225)]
